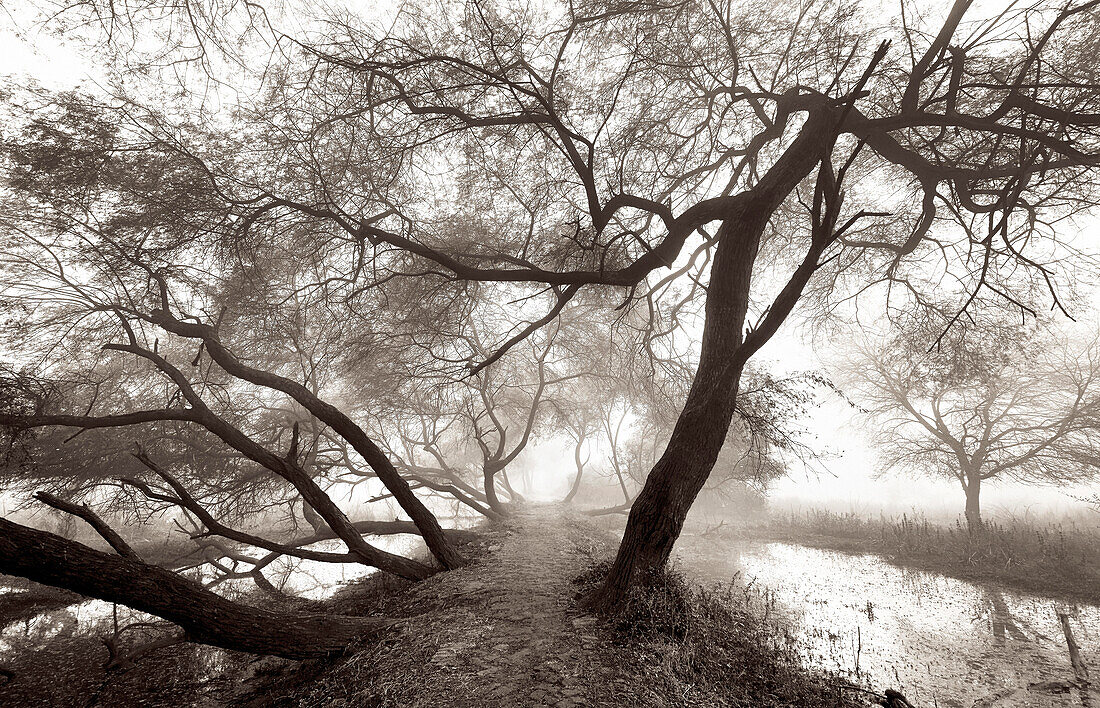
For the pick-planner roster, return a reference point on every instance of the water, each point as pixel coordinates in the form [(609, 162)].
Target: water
[(314, 580), (41, 629), (941, 641)]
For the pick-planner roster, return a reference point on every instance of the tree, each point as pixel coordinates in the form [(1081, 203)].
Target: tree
[(493, 400), (205, 616), (458, 437), (986, 403), (766, 435), (488, 152)]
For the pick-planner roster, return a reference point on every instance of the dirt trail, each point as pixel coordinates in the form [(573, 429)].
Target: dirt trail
[(505, 631)]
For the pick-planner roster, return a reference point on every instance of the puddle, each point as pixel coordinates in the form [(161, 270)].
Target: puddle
[(941, 641)]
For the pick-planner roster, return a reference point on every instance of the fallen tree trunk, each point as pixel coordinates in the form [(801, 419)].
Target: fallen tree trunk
[(623, 508), (388, 528), (206, 617)]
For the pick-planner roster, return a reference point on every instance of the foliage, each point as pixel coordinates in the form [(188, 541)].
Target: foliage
[(984, 401), (334, 256)]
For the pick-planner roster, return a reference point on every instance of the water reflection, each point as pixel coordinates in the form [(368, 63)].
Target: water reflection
[(1000, 616), (314, 580), (941, 641)]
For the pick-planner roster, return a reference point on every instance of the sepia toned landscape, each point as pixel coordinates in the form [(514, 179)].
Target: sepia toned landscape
[(558, 353)]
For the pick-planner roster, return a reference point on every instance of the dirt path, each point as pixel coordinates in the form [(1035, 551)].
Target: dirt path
[(518, 638), (504, 631)]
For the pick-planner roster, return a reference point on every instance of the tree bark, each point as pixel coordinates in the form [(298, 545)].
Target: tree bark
[(973, 511), (580, 471), (657, 515), (489, 476), (430, 530), (660, 508), (206, 617), (1080, 668), (513, 495), (313, 518)]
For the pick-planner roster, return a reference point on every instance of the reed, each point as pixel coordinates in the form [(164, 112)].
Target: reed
[(1060, 554)]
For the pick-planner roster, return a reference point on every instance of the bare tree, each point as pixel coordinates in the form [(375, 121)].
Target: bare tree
[(989, 403), (205, 616)]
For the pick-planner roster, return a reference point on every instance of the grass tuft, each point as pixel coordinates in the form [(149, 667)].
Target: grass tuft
[(722, 641)]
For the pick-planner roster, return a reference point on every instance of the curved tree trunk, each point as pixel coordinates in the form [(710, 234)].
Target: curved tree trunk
[(313, 518), (513, 495), (489, 475), (580, 472), (658, 513), (443, 550), (206, 617)]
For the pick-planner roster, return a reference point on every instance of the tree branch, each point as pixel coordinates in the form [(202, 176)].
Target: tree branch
[(85, 512)]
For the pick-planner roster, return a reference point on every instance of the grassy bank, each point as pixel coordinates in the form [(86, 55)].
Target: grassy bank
[(719, 639), (1057, 557)]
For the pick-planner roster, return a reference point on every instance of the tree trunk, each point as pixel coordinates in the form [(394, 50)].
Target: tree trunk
[(489, 475), (659, 510), (658, 513), (973, 512), (513, 495), (313, 518), (580, 472), (430, 530), (206, 617)]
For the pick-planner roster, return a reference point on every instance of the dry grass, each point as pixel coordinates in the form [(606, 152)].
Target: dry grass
[(722, 641), (674, 643), (1056, 556)]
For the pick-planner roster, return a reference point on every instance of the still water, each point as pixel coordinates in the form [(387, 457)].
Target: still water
[(943, 642)]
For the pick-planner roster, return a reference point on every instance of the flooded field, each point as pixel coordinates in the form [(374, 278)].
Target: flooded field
[(943, 642)]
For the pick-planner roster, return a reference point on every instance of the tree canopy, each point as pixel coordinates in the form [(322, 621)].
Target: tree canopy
[(999, 401)]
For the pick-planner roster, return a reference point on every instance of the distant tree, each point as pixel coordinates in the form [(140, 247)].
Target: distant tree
[(985, 403)]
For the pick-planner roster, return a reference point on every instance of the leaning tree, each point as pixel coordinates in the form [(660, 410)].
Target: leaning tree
[(991, 402), (713, 163)]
